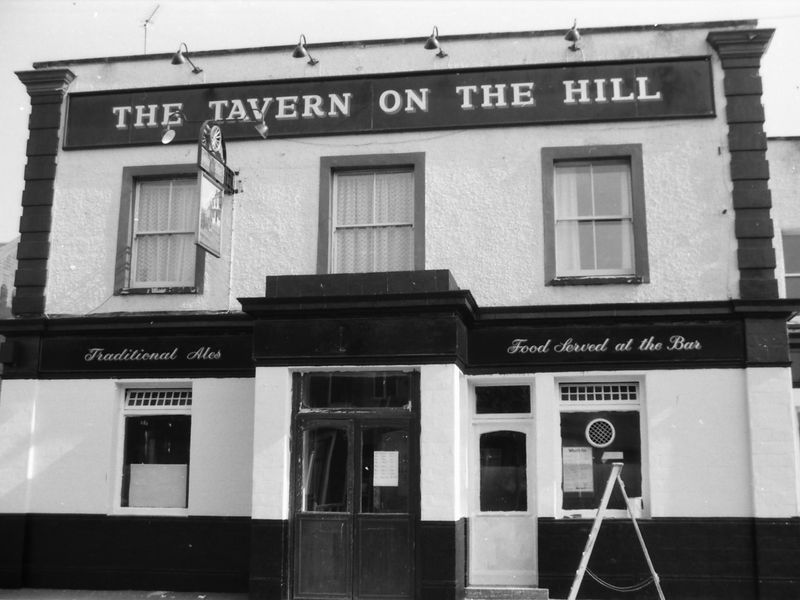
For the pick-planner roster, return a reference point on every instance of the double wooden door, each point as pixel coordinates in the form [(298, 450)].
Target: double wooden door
[(355, 505)]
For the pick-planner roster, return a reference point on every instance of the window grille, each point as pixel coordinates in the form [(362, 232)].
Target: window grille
[(599, 392), (149, 399)]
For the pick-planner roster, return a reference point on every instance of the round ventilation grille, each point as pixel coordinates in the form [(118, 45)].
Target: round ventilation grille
[(600, 433)]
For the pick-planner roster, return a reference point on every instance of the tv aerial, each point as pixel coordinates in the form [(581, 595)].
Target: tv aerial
[(147, 22)]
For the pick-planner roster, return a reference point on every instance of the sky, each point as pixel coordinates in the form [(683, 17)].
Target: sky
[(48, 30)]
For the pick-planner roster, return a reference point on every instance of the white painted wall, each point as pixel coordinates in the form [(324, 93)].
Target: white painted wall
[(481, 184), (272, 419), (443, 443), (222, 447), (771, 417), (60, 446), (784, 183), (17, 401), (699, 443)]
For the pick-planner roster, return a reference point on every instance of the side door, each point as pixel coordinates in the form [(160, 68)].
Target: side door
[(503, 519)]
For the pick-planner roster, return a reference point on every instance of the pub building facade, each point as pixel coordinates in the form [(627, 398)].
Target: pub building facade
[(393, 349)]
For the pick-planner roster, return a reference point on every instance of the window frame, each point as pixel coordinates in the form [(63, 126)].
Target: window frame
[(329, 165), (642, 507), (629, 152), (131, 176), (124, 414)]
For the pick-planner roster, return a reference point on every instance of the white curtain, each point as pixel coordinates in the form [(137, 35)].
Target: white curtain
[(164, 233), (374, 218)]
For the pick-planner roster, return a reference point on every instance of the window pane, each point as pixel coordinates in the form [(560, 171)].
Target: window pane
[(153, 206), (324, 470), (503, 478), (394, 249), (791, 253), (384, 470), (575, 250), (165, 259), (573, 191), (354, 204), (585, 473), (156, 461), (357, 390), (354, 250), (612, 193), (394, 195), (502, 399), (793, 287), (613, 240), (183, 205)]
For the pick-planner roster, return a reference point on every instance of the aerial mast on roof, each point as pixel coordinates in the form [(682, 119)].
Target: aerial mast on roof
[(147, 22)]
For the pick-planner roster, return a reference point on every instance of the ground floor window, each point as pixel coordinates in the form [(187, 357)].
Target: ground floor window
[(600, 425), (155, 466)]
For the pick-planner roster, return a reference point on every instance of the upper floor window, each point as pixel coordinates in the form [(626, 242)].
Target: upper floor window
[(791, 263), (372, 214), (157, 231), (594, 215)]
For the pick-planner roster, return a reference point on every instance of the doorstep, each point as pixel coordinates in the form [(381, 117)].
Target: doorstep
[(505, 593)]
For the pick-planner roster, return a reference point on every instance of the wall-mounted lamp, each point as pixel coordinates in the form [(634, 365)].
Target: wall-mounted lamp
[(182, 55), (432, 43), (168, 133), (301, 51), (573, 35), (262, 128)]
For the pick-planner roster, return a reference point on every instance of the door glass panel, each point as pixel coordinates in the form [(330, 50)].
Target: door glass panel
[(503, 481), (324, 470), (384, 470)]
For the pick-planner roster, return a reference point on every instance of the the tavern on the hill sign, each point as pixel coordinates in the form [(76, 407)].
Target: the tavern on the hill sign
[(573, 93)]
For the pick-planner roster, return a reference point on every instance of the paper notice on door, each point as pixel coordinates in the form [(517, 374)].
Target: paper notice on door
[(578, 469), (386, 468)]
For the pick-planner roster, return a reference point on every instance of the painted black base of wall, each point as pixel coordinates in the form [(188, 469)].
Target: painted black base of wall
[(209, 554), (269, 564), (441, 560), (702, 559), (696, 559), (439, 566)]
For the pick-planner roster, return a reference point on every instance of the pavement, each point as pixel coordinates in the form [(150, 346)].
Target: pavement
[(41, 594)]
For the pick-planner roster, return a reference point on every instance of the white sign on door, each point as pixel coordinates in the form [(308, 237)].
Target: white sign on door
[(386, 468)]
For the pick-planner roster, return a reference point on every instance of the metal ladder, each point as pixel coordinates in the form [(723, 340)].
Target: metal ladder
[(616, 469)]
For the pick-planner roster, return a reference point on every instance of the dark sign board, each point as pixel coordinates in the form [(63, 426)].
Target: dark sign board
[(525, 95), (141, 355), (619, 344)]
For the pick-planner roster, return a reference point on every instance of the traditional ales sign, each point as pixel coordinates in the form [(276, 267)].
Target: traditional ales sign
[(529, 95)]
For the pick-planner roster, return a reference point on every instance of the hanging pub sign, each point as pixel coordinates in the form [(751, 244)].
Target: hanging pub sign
[(446, 99), (215, 179)]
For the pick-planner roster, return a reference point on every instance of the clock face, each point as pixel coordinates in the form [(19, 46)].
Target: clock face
[(214, 138)]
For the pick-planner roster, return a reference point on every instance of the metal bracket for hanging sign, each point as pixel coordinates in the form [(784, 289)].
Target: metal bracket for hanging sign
[(616, 470)]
